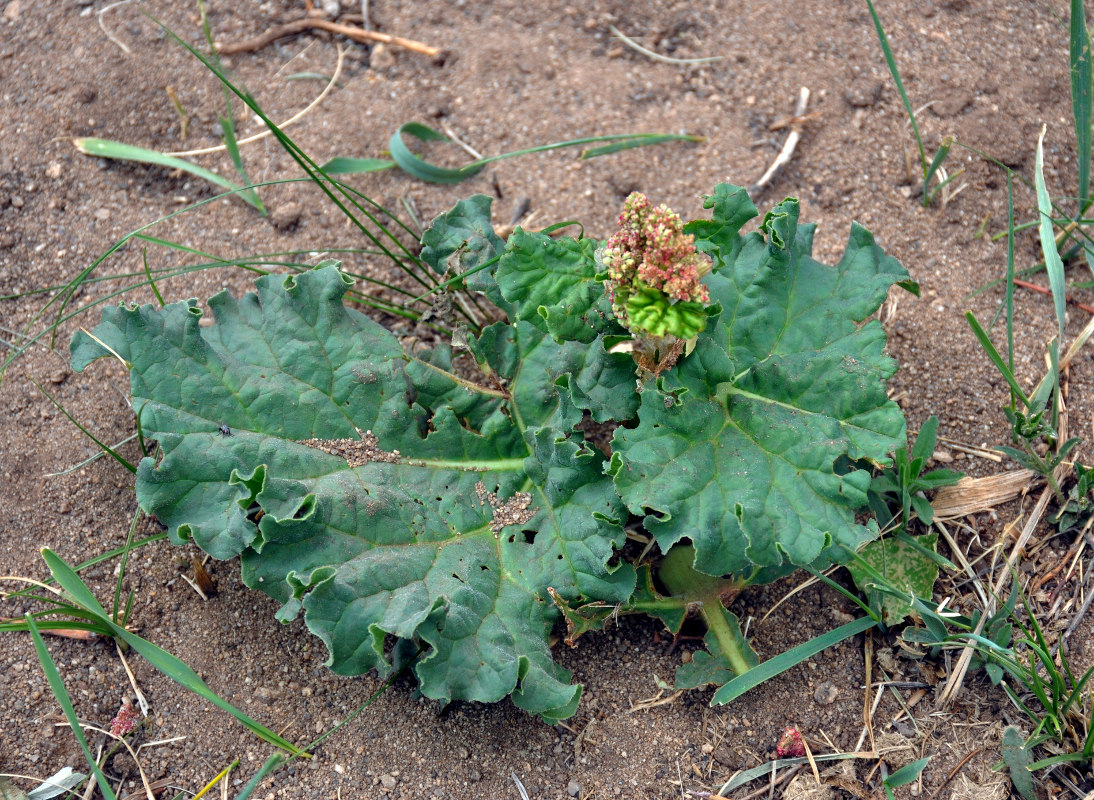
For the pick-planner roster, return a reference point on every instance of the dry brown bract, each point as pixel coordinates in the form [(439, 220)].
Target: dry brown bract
[(356, 452)]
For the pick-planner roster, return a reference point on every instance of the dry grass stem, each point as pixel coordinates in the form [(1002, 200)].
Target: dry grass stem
[(787, 151), (142, 701), (631, 43), (973, 495), (301, 25), (102, 25), (299, 115)]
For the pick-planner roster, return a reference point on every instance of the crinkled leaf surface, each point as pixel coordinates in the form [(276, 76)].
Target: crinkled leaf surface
[(463, 238), (740, 449), (447, 522)]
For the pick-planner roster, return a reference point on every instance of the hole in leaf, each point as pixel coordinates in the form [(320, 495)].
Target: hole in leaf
[(457, 577), (529, 536)]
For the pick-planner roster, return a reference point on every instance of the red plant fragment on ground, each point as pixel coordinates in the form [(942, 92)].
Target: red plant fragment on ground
[(790, 744)]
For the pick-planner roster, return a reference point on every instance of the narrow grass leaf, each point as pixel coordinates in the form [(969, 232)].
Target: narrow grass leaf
[(104, 148), (637, 140), (102, 445), (419, 167), (1010, 277), (1081, 101), (170, 665), (423, 170), (151, 280), (227, 122), (1053, 265), (936, 162), (57, 686), (354, 166), (907, 773), (271, 763), (784, 661), (891, 61), (996, 359)]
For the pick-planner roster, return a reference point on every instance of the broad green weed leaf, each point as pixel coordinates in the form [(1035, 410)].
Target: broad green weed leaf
[(430, 499), (738, 451), (423, 525), (904, 567), (555, 279), (1018, 758), (463, 239)]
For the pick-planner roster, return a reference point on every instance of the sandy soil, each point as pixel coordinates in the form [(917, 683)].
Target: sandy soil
[(515, 75)]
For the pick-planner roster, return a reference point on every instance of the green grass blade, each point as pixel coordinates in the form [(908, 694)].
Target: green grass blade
[(151, 280), (341, 165), (996, 359), (102, 445), (784, 661), (936, 162), (891, 61), (423, 170), (118, 151), (57, 686), (271, 763), (1053, 265), (170, 665), (638, 140), (419, 167), (227, 122), (907, 773), (1010, 276), (121, 567), (1082, 83)]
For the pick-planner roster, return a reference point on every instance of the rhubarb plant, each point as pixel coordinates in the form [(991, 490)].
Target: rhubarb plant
[(453, 500)]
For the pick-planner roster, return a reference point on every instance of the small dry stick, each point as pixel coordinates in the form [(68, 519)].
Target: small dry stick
[(301, 25), (868, 657), (1071, 301), (953, 772), (788, 148), (105, 30)]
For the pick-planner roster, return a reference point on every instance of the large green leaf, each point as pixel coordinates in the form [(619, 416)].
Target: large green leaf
[(369, 503), (748, 446)]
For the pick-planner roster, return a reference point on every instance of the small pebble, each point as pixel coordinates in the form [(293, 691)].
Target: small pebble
[(388, 781), (285, 217), (573, 788), (16, 201), (381, 57), (826, 694)]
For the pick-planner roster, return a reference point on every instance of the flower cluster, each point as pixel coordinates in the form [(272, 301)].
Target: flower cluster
[(125, 721), (650, 250), (654, 275)]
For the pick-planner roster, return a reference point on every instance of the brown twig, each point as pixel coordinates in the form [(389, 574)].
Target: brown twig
[(301, 25), (67, 633), (1042, 290), (787, 150), (954, 771)]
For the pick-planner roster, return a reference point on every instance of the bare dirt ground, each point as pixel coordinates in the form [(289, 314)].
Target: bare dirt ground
[(516, 74)]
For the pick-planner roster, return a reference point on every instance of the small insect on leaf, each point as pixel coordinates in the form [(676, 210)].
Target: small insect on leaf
[(225, 430)]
